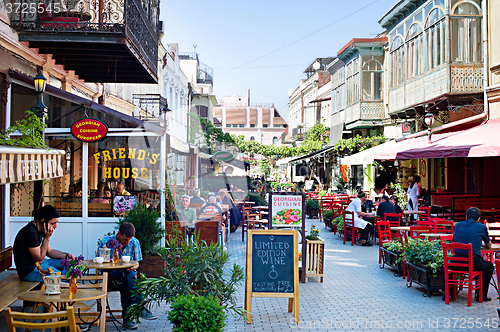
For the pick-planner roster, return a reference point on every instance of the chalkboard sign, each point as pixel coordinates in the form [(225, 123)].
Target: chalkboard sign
[(272, 268), (272, 263)]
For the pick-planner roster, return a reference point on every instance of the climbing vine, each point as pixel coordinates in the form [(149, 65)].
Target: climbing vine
[(30, 129)]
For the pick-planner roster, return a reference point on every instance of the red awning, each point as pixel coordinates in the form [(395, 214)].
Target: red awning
[(448, 143), (480, 141)]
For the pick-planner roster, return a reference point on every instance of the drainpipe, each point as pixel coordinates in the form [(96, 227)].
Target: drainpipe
[(486, 65)]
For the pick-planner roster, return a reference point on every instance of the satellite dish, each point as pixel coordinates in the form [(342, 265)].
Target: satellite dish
[(316, 65), (290, 91)]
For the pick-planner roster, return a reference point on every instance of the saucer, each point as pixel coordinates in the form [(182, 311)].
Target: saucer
[(52, 293)]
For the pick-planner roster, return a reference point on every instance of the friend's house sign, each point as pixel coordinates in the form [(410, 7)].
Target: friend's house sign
[(89, 130)]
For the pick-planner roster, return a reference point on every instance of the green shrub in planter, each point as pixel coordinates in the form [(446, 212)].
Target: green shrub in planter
[(328, 215), (312, 204), (339, 222), (394, 245), (422, 251), (192, 313)]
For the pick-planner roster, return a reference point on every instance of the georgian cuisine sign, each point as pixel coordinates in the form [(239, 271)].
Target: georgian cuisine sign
[(89, 130)]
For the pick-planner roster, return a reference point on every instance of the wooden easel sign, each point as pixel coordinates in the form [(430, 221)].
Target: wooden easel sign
[(272, 268)]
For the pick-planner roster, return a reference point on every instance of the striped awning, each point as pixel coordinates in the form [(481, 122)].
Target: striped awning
[(26, 164)]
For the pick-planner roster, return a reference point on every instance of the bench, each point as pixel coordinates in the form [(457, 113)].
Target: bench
[(10, 286), (443, 202)]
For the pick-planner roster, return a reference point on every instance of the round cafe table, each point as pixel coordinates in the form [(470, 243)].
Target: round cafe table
[(105, 268), (64, 297)]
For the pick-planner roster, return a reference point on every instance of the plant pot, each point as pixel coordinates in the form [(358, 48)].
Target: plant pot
[(152, 266), (390, 258), (313, 213), (423, 276), (315, 258)]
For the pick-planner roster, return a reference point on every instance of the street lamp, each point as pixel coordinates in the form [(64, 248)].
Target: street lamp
[(39, 108), (428, 121)]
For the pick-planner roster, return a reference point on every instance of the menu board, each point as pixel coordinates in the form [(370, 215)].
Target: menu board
[(286, 209), (272, 268), (272, 263)]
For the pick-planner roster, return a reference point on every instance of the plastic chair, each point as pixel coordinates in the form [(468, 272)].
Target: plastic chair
[(349, 228), (445, 226), (455, 266), (18, 319), (384, 236), (416, 231)]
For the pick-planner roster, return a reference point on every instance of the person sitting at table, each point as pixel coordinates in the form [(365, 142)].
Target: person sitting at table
[(32, 244), (367, 227), (100, 189), (211, 206), (472, 231), (184, 212), (123, 279), (120, 190), (196, 197), (394, 200), (385, 207)]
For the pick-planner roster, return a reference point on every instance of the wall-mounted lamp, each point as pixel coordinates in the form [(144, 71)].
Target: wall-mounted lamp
[(428, 121), (39, 81)]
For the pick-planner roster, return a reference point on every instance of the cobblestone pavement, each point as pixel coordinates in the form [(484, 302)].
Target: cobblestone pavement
[(356, 295)]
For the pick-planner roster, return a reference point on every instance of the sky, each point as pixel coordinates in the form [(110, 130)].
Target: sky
[(265, 45)]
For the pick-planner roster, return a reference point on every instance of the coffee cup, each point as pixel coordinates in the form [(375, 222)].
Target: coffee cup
[(98, 260), (126, 259)]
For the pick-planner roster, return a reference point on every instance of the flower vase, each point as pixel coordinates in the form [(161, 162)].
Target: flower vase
[(116, 257), (73, 286)]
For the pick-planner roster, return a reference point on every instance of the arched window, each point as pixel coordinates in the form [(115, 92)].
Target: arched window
[(372, 80), (275, 139), (414, 50), (397, 61), (466, 34), (435, 38), (252, 138)]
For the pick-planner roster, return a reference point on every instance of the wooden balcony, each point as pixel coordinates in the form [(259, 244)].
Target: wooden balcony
[(364, 114), (106, 42)]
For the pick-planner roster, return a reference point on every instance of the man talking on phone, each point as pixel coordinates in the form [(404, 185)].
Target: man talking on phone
[(32, 245)]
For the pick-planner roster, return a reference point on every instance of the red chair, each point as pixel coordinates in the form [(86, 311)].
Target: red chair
[(446, 238), (394, 219), (344, 198), (384, 236), (493, 226), (349, 229), (445, 226), (427, 214), (454, 267), (417, 231), (429, 223), (325, 205), (337, 211)]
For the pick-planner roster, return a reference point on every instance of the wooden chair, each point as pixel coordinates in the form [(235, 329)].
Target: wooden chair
[(429, 223), (403, 237), (445, 226), (62, 319), (417, 231), (349, 228), (337, 211), (87, 315), (248, 220), (394, 220), (446, 238), (493, 226), (196, 207), (175, 233), (426, 215), (207, 231), (384, 236), (455, 266)]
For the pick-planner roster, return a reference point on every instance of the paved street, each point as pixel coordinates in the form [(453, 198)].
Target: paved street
[(356, 295)]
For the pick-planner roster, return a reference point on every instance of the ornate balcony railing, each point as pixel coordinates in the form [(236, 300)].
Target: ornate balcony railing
[(129, 23), (151, 107)]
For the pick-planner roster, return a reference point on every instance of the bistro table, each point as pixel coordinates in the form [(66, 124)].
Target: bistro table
[(65, 297), (400, 228), (434, 234), (490, 212), (105, 268), (407, 213)]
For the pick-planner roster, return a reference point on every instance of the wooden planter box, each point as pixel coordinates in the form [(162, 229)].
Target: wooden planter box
[(152, 266), (315, 258), (313, 213), (390, 258), (423, 276)]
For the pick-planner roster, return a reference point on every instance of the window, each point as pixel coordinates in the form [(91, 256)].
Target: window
[(200, 110), (277, 126), (242, 125), (435, 38), (352, 81), (397, 61), (252, 138), (252, 125), (264, 126), (372, 80), (228, 125), (414, 50), (235, 126), (275, 139), (466, 37)]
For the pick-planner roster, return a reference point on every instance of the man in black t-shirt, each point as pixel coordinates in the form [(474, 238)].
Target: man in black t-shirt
[(32, 245), (385, 207)]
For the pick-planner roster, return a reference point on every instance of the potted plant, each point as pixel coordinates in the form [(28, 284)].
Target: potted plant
[(149, 232), (196, 313), (312, 207), (315, 254), (391, 251), (425, 263), (327, 218), (338, 225)]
